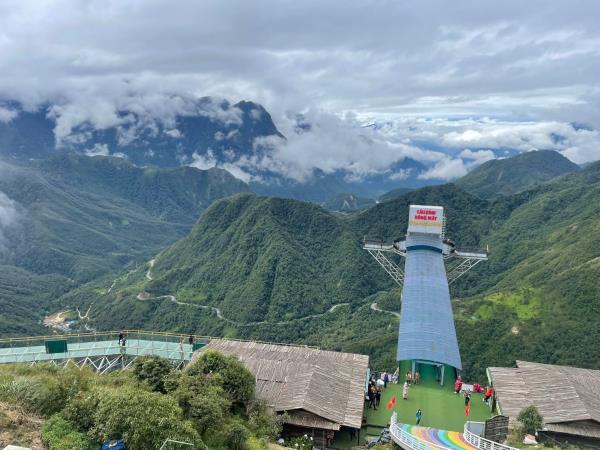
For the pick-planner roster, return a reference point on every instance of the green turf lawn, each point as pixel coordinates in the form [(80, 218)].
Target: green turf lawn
[(441, 407)]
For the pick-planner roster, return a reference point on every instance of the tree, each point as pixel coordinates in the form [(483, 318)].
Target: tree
[(531, 419), (262, 422), (237, 381), (202, 400), (153, 370), (143, 419)]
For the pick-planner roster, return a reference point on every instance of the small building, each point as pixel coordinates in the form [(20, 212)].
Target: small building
[(567, 397), (322, 392)]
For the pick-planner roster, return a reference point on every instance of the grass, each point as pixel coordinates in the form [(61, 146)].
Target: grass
[(441, 407)]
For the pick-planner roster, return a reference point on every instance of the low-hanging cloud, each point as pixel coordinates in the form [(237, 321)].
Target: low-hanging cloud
[(440, 79), (8, 218)]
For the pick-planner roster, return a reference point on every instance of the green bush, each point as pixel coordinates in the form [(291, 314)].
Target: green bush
[(237, 381), (237, 436), (59, 434), (531, 419), (81, 409), (144, 419), (43, 390), (202, 400), (153, 370), (262, 423)]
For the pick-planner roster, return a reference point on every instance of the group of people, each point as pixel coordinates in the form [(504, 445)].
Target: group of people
[(410, 379), (487, 391), (376, 385)]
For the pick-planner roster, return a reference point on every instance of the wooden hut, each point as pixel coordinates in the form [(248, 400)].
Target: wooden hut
[(321, 391), (567, 397)]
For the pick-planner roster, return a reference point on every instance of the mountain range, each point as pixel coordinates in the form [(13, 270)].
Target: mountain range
[(284, 270), (205, 132), (191, 250)]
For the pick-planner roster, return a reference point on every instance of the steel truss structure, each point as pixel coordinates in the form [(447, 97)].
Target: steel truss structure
[(100, 351), (104, 364), (458, 261)]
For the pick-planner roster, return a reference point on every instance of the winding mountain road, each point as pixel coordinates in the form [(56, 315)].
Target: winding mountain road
[(144, 296), (374, 307)]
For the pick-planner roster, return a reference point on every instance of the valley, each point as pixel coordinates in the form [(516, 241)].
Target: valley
[(288, 271)]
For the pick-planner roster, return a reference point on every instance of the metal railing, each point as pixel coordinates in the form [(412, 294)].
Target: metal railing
[(483, 443), (405, 439), (161, 336), (32, 349)]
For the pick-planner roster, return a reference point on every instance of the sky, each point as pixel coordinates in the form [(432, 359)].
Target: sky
[(450, 83)]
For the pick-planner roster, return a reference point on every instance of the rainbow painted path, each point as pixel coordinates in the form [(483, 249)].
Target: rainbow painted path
[(438, 438)]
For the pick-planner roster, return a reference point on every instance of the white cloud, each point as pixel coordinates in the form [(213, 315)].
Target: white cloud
[(8, 217), (98, 150), (174, 133), (462, 60), (6, 115), (446, 169), (208, 161), (478, 157), (334, 143)]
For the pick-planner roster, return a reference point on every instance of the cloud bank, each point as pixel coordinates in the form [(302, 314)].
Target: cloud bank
[(450, 84)]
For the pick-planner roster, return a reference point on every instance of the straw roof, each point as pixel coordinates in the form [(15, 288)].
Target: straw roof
[(327, 385), (563, 395)]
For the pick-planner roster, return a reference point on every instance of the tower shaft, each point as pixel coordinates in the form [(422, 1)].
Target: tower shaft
[(427, 329)]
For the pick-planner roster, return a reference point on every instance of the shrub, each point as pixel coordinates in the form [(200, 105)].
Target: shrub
[(202, 400), (237, 381), (237, 436), (153, 370), (59, 434), (531, 419), (301, 443), (81, 409), (46, 390), (144, 419), (262, 422)]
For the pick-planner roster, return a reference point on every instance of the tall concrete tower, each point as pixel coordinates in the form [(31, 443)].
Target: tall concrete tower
[(427, 334)]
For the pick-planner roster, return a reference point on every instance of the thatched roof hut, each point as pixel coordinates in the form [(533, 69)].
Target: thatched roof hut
[(567, 397), (317, 388)]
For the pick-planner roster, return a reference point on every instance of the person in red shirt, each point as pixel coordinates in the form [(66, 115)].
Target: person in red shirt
[(457, 385), (488, 394)]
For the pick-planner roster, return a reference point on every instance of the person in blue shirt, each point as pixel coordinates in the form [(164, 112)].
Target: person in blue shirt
[(419, 415)]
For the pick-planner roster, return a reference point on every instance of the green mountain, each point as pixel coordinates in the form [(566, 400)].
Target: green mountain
[(347, 203), (275, 269), (395, 193), (79, 218), (512, 175), (82, 216)]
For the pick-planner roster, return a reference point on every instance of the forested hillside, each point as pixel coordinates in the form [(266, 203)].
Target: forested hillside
[(511, 175), (275, 268), (77, 218)]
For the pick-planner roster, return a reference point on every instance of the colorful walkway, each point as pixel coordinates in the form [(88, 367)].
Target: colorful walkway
[(437, 438)]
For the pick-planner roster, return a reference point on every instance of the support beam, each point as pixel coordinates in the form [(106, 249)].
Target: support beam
[(463, 267), (393, 270)]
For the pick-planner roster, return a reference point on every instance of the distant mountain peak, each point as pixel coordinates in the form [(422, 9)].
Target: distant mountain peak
[(511, 175)]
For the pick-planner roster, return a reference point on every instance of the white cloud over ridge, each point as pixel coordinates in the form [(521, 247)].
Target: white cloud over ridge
[(8, 217), (449, 84)]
